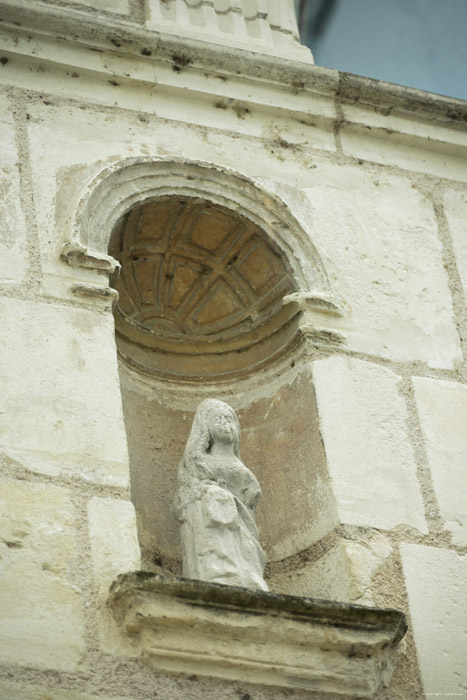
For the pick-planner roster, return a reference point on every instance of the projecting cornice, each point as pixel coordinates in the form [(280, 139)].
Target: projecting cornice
[(100, 58), (208, 629), (58, 27)]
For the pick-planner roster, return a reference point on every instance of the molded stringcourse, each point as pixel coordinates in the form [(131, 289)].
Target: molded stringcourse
[(207, 629)]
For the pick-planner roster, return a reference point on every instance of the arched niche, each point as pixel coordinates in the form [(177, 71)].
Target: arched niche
[(201, 291), (219, 289), (121, 186)]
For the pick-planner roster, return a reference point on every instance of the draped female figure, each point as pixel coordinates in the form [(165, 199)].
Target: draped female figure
[(215, 503)]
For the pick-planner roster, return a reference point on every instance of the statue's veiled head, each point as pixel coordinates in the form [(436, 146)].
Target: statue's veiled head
[(214, 421)]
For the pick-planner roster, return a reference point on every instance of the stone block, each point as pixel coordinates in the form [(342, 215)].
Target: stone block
[(370, 459), (455, 207), (379, 242), (344, 573), (437, 590), (114, 550), (41, 618), (10, 690), (114, 541), (13, 244), (61, 412), (442, 407)]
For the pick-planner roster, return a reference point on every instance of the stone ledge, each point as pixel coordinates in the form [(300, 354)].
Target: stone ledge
[(120, 37), (194, 627)]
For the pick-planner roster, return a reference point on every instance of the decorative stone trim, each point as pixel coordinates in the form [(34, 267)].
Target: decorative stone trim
[(95, 291), (118, 188), (260, 24), (194, 627), (91, 34), (320, 320), (77, 255), (312, 302)]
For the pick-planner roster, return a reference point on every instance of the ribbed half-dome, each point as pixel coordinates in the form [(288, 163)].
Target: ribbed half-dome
[(196, 279)]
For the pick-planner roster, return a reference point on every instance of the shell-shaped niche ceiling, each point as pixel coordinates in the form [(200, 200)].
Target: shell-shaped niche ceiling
[(200, 290)]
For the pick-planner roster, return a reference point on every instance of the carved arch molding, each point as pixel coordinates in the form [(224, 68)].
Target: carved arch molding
[(216, 272)]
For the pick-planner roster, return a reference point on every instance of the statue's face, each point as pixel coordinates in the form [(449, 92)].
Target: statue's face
[(223, 426)]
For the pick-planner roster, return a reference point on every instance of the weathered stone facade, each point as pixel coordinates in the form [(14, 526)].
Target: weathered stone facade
[(313, 275)]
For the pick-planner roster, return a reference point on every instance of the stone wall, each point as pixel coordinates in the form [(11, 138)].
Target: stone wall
[(359, 444)]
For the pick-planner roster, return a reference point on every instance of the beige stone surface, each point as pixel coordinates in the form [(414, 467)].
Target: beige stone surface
[(40, 608), (61, 407), (370, 459), (114, 542), (442, 407), (436, 586), (344, 573), (60, 395), (455, 208), (118, 6), (114, 550), (21, 691), (327, 578), (13, 261), (132, 82), (412, 145), (379, 242), (204, 281)]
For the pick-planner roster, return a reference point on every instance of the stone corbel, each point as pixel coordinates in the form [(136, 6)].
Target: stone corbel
[(95, 291), (320, 319), (77, 255), (194, 627)]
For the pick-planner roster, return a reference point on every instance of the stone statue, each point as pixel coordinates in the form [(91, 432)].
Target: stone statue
[(215, 503)]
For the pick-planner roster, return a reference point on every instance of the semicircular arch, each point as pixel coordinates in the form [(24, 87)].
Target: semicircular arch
[(136, 184), (119, 187)]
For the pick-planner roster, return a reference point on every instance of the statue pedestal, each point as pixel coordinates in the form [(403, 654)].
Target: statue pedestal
[(194, 627)]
